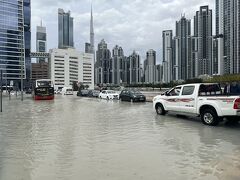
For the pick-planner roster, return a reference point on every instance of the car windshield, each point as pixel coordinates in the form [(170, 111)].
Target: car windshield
[(136, 92), (111, 92)]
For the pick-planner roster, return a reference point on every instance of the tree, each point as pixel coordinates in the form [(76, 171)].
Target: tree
[(75, 86)]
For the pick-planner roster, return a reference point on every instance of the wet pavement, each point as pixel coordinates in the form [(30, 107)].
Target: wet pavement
[(74, 138)]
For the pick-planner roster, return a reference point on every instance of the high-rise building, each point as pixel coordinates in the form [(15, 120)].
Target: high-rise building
[(227, 21), (65, 30), (119, 61), (150, 66), (40, 71), (167, 56), (203, 31), (182, 54), (69, 65), (103, 74), (15, 35), (41, 41), (87, 47), (134, 68), (159, 73)]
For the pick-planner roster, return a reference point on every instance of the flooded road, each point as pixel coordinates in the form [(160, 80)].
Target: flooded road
[(74, 138)]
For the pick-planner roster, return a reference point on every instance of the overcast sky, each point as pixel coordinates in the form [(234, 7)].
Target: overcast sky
[(132, 24)]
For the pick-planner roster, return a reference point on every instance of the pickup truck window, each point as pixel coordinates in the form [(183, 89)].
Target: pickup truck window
[(175, 92), (188, 90), (210, 89)]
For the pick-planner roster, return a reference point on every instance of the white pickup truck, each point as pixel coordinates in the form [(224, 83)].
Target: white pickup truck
[(204, 100)]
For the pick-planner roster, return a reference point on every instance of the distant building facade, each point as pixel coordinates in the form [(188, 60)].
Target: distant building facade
[(65, 30), (159, 73), (119, 66), (103, 74), (87, 48), (183, 59), (167, 56), (41, 41), (227, 27), (150, 66), (69, 65), (203, 31), (40, 71), (134, 68)]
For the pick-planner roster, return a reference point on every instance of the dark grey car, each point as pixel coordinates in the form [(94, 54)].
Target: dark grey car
[(93, 93), (132, 96)]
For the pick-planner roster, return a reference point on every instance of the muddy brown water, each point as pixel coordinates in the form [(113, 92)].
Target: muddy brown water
[(74, 138)]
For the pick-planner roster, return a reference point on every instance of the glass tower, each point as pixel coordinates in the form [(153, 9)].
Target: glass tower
[(41, 41), (15, 38), (65, 30)]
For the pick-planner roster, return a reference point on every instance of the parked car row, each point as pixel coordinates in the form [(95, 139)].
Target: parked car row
[(125, 95)]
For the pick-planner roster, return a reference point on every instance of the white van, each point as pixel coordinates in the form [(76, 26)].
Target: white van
[(67, 91)]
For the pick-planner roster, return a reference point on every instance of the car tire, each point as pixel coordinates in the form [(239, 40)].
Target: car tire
[(160, 109), (209, 117)]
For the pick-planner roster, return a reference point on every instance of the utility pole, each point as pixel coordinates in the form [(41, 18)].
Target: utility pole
[(22, 54)]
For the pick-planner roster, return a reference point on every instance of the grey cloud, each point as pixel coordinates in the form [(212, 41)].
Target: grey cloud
[(133, 24)]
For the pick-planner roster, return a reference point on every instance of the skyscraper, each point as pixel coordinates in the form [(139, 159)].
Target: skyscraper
[(15, 35), (227, 17), (87, 47), (118, 66), (134, 68), (150, 69), (27, 41), (167, 56), (103, 74), (183, 60), (65, 30), (41, 42), (203, 31)]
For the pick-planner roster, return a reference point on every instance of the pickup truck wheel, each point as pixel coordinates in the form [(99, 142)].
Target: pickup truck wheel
[(209, 117), (160, 109)]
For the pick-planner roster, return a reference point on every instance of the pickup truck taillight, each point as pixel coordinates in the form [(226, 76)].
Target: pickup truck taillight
[(236, 104)]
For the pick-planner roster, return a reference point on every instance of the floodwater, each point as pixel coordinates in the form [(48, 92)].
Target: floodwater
[(74, 138)]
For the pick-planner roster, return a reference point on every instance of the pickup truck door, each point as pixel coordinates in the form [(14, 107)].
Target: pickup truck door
[(187, 100), (172, 99)]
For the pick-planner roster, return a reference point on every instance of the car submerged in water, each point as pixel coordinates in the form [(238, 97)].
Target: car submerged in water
[(83, 93), (108, 94), (93, 93), (132, 96)]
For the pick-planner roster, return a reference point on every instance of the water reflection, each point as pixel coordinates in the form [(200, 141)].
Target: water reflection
[(80, 138)]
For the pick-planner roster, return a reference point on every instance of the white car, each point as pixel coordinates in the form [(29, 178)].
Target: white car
[(108, 94), (67, 91)]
